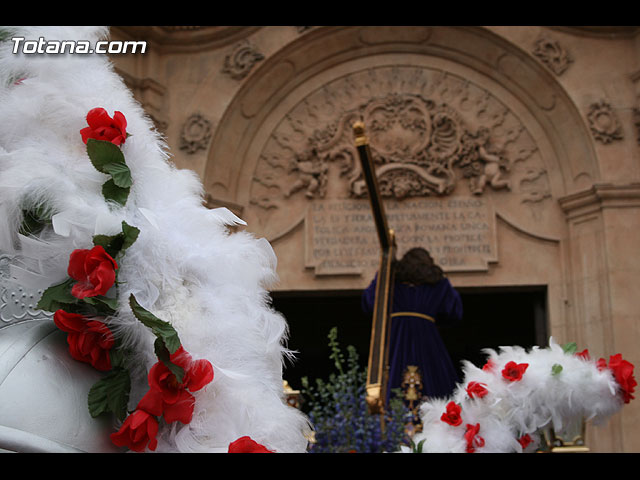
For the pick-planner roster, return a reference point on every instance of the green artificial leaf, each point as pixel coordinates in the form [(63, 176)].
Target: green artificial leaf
[(570, 348), (120, 173), (164, 356), (161, 329), (57, 296), (110, 394), (129, 235), (114, 193), (556, 369), (103, 153), (114, 244), (100, 302)]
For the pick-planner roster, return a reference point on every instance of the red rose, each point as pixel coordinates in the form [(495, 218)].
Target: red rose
[(623, 373), (601, 364), (138, 432), (473, 439), (169, 398), (94, 271), (513, 371), (89, 340), (452, 414), (488, 366), (476, 389), (103, 127), (247, 445), (525, 440)]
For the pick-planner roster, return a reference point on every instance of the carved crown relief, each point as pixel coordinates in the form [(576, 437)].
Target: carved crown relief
[(431, 133)]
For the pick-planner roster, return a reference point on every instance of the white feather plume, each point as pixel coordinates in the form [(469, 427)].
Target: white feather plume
[(185, 267), (578, 389)]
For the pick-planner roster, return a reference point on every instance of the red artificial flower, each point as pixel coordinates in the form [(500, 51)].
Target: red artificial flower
[(584, 354), (103, 127), (138, 432), (247, 445), (623, 373), (601, 364), (169, 398), (452, 414), (514, 371), (488, 366), (89, 341), (473, 439), (94, 271), (477, 389), (525, 440)]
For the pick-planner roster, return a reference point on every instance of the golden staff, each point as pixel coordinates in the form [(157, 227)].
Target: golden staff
[(377, 372)]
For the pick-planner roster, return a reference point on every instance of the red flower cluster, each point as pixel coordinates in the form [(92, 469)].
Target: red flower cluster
[(167, 398), (90, 341), (103, 127), (473, 439), (476, 389), (138, 432), (247, 445), (513, 371), (623, 373), (94, 271), (452, 414), (488, 366), (525, 440)]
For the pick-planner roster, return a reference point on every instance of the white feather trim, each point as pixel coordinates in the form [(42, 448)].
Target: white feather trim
[(185, 267)]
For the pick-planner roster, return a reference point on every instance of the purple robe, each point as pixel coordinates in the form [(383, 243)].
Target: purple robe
[(415, 340)]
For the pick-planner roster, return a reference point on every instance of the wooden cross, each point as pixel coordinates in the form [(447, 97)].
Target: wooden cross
[(377, 373)]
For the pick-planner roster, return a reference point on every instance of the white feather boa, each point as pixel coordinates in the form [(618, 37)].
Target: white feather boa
[(556, 388), (185, 266)]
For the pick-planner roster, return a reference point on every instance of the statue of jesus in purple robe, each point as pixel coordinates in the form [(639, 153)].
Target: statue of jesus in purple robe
[(423, 300)]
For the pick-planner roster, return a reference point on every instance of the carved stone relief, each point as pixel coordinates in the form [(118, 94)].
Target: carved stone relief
[(427, 140), (636, 121), (438, 142), (604, 123), (241, 60), (552, 54), (195, 133)]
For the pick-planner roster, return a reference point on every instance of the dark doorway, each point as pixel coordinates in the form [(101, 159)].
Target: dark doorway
[(492, 318)]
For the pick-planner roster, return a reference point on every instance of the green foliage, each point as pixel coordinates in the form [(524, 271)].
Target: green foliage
[(110, 394), (109, 159)]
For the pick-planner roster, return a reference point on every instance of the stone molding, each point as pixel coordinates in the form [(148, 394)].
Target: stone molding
[(599, 197)]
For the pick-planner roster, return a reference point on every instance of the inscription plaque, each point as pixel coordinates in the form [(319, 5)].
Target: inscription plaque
[(458, 231)]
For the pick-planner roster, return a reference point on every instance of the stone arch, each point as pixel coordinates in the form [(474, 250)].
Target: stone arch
[(280, 80)]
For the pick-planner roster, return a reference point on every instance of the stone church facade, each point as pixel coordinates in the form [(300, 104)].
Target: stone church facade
[(512, 153)]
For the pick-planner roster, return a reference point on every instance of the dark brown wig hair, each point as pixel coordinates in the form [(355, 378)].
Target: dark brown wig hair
[(417, 267)]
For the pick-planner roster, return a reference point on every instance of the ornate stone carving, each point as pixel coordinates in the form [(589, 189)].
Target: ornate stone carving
[(604, 123), (195, 134), (432, 134), (636, 121), (552, 54), (241, 60)]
